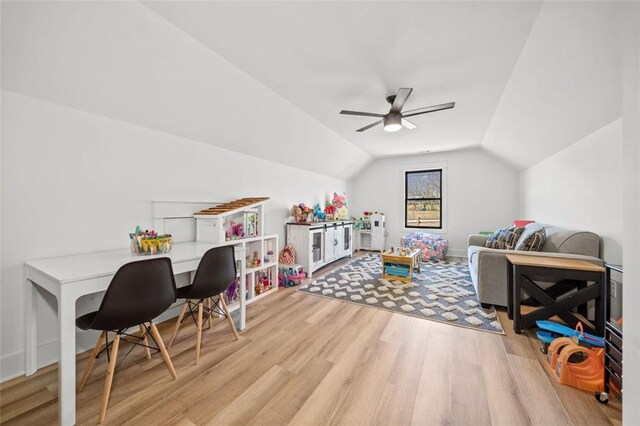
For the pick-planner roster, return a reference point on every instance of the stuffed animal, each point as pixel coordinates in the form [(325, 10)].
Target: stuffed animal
[(342, 213), (297, 214), (330, 210), (318, 213), (339, 200)]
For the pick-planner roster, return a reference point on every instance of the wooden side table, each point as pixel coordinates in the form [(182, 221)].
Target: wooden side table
[(523, 272), (412, 260)]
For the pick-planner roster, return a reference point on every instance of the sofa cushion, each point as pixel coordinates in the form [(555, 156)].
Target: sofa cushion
[(533, 242), (563, 240), (504, 238)]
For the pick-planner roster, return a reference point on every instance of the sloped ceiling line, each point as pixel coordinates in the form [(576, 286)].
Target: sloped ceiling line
[(194, 38)]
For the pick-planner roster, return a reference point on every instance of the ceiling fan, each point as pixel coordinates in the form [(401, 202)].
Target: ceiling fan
[(395, 118)]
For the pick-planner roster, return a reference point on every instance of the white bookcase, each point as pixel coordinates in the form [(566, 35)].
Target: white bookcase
[(318, 244), (213, 225)]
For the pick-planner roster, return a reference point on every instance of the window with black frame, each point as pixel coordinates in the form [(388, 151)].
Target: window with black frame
[(423, 199)]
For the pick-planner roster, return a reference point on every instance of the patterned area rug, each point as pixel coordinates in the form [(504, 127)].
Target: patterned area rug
[(442, 292)]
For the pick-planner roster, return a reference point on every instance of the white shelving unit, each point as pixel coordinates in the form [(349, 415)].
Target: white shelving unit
[(213, 225)]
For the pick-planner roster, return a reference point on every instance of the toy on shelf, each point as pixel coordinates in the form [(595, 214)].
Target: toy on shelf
[(287, 255), (339, 200), (255, 261), (329, 211), (263, 282), (302, 213), (149, 242), (270, 256), (318, 214), (234, 230), (290, 275)]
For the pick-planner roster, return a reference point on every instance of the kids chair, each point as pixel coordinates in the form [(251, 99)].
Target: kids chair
[(138, 292), (216, 272)]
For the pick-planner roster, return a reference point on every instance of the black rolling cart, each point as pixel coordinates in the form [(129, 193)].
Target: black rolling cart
[(613, 336)]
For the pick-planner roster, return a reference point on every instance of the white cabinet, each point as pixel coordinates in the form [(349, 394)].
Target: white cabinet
[(318, 244), (329, 244), (316, 248)]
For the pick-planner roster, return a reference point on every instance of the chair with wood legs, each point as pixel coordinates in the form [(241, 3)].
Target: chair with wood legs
[(138, 293), (205, 297)]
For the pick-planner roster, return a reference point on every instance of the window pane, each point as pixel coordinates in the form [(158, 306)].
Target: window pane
[(423, 185), (423, 214)]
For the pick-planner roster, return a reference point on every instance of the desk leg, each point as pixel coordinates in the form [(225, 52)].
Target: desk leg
[(243, 296), (31, 328), (67, 363), (509, 290), (517, 295), (600, 306)]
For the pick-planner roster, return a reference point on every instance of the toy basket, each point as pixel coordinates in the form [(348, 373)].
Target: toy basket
[(150, 245)]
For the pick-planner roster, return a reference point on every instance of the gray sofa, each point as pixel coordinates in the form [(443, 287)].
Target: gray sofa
[(488, 267)]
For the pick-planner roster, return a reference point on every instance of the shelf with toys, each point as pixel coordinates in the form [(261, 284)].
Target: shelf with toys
[(241, 223)]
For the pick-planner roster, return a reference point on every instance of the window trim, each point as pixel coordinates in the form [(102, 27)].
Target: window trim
[(440, 171)]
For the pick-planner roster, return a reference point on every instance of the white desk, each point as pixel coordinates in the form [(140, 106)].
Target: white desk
[(71, 277)]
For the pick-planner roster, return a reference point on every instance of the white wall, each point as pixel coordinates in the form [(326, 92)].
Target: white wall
[(124, 61), (482, 194), (580, 187), (77, 182), (566, 84), (631, 215)]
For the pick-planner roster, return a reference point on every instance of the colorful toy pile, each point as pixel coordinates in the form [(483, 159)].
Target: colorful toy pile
[(432, 247), (334, 209), (149, 242)]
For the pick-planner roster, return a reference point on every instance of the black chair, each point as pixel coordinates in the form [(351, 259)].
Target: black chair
[(216, 272), (138, 292)]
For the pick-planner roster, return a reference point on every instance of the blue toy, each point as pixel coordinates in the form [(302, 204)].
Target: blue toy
[(550, 330), (319, 213)]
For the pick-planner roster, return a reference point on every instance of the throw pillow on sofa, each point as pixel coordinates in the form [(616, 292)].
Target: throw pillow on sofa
[(505, 238), (533, 242)]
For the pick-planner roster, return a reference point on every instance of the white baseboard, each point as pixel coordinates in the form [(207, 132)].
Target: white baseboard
[(12, 365), (457, 253)]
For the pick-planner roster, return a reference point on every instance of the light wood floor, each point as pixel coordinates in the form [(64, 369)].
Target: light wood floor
[(309, 360)]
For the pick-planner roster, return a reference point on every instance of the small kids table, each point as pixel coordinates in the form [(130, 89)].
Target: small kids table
[(400, 266)]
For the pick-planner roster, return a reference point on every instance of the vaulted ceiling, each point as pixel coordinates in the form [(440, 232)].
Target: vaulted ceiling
[(327, 56), (269, 78)]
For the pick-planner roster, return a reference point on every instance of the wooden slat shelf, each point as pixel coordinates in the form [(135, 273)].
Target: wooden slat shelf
[(242, 203)]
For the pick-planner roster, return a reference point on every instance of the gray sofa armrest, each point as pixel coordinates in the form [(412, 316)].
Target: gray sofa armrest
[(478, 240)]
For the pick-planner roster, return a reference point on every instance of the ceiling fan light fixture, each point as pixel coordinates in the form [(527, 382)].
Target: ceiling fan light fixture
[(392, 122)]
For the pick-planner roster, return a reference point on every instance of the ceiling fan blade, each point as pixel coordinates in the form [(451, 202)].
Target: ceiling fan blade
[(425, 110), (409, 125), (401, 99), (364, 114), (369, 126)]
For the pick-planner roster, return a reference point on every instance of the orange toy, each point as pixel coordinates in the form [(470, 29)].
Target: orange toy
[(581, 367), (554, 350)]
